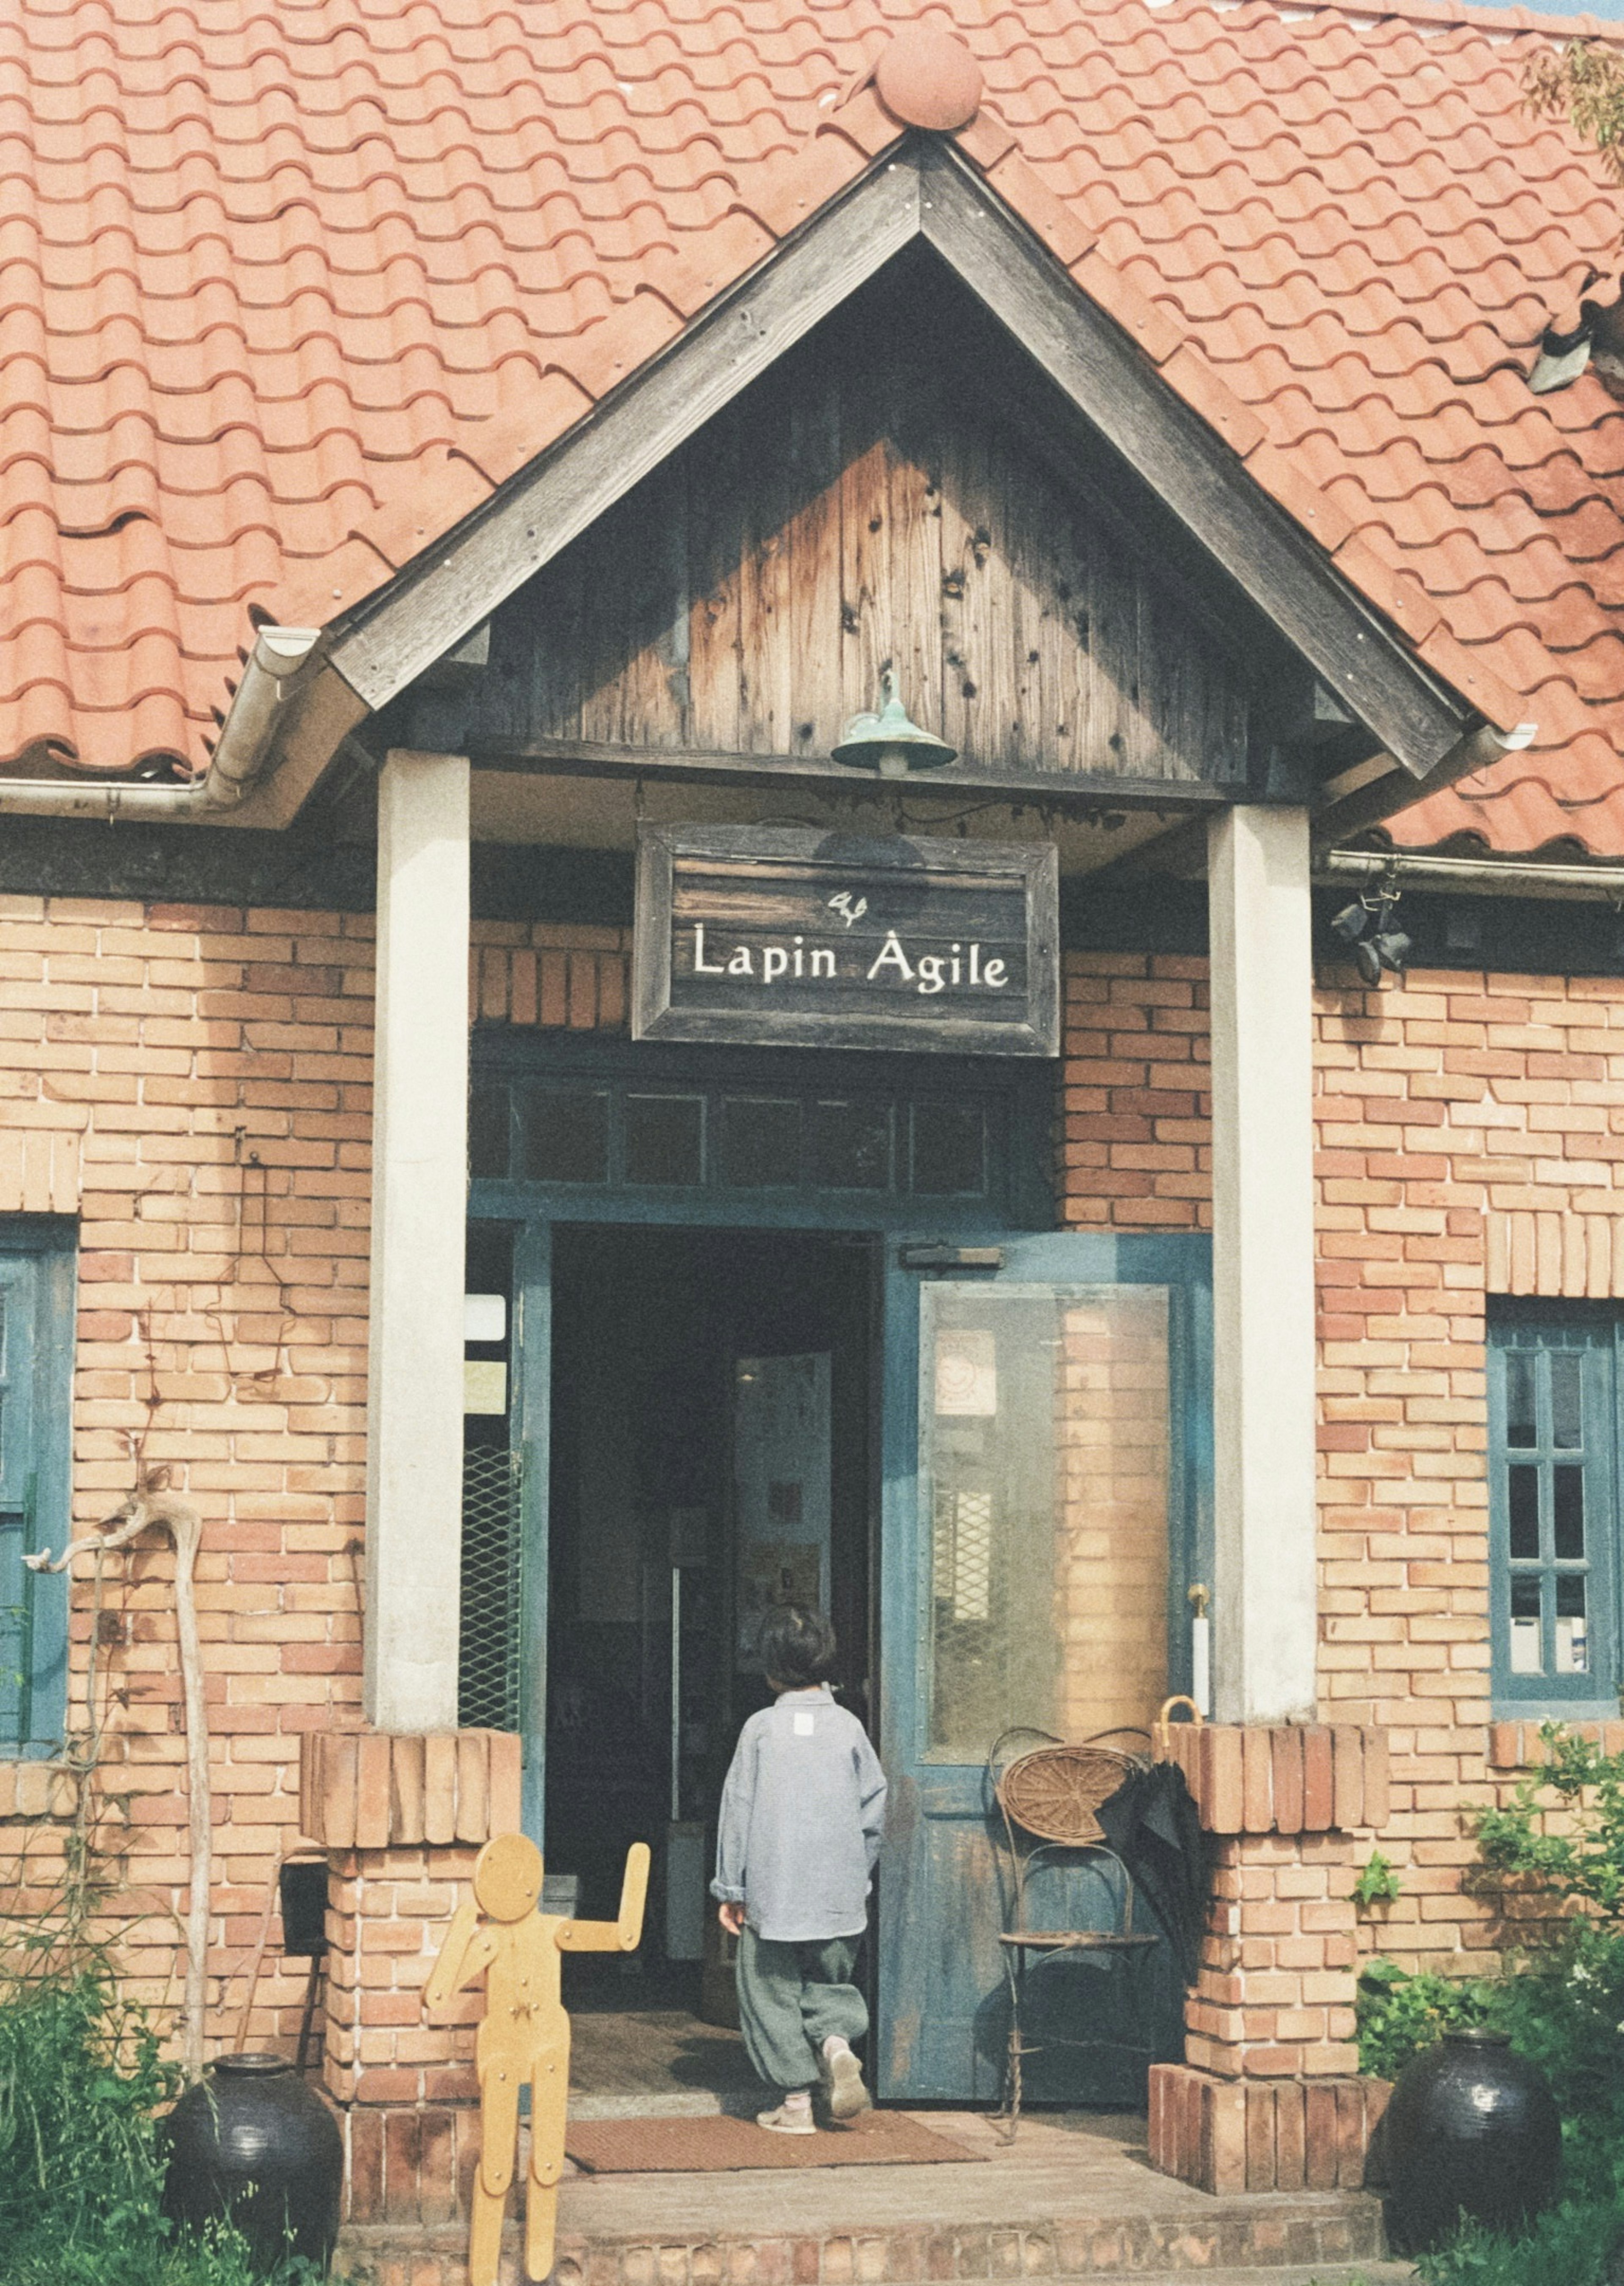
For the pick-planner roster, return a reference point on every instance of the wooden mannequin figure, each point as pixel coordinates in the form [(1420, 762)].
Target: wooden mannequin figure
[(525, 2034)]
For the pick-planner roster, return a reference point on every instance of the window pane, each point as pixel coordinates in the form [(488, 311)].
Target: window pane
[(1519, 1397), (950, 1149), (1573, 1644), (1568, 1513), (761, 1142), (665, 1138), (1566, 1399), (1524, 1502), (1527, 1657), (487, 1130), (566, 1137), (1046, 1455), (850, 1146)]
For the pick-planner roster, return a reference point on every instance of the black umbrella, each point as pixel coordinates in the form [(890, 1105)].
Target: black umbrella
[(1152, 1824)]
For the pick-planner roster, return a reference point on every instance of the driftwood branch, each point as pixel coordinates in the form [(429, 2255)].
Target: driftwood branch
[(137, 1514)]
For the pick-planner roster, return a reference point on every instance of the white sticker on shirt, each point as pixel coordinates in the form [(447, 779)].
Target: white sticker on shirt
[(805, 1725)]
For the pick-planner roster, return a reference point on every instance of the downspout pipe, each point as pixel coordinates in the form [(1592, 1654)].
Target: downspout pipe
[(242, 753), (1475, 877)]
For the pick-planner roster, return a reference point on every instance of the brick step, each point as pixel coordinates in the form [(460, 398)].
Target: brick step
[(395, 2261), (1318, 2274), (1275, 2239)]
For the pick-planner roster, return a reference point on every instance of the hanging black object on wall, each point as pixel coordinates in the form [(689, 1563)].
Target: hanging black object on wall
[(303, 1883), (253, 2145), (1471, 2130)]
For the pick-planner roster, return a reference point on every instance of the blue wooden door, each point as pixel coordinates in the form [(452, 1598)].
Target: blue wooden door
[(1047, 1441)]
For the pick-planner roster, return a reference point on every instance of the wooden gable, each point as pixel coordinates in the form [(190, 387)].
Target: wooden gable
[(894, 493)]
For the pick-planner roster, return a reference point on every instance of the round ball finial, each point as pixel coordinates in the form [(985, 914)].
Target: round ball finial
[(926, 78)]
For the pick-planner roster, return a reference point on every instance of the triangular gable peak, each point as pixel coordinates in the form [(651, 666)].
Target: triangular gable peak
[(894, 494), (1196, 463)]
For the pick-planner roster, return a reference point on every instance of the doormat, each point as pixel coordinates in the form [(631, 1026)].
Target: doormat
[(717, 2145)]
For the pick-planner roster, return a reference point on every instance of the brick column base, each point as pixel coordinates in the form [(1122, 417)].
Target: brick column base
[(410, 2163), (1224, 2135)]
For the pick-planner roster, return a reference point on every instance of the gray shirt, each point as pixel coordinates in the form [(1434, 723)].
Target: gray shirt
[(802, 1816)]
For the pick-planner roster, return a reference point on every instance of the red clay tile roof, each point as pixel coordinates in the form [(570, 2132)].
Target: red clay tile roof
[(284, 292)]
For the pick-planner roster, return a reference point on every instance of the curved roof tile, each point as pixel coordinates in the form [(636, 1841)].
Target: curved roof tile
[(284, 294)]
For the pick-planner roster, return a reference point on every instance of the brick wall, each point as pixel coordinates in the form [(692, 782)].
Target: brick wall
[(1136, 1128), (1469, 1127), (195, 1082), (573, 979), (1453, 1102), (213, 1068)]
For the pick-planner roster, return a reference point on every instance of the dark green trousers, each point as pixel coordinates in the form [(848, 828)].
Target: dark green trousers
[(791, 1998)]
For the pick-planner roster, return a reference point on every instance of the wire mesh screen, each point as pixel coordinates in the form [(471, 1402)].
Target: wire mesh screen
[(488, 1646)]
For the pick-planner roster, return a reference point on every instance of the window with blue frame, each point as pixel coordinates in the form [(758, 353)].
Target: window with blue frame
[(1554, 1386), (36, 1357)]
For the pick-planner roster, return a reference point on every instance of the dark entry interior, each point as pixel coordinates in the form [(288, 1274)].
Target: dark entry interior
[(710, 1452)]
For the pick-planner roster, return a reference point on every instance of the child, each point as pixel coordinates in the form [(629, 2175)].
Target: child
[(801, 1814)]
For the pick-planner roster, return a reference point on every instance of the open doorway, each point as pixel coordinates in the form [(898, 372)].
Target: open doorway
[(712, 1452)]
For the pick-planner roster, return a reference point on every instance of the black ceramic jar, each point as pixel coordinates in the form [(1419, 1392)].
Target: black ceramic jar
[(251, 2143), (1471, 2129)]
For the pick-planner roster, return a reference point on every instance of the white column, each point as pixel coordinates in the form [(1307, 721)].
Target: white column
[(419, 1210), (1265, 1615)]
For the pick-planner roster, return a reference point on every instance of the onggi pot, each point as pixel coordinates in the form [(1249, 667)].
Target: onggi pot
[(1471, 2129), (253, 2145)]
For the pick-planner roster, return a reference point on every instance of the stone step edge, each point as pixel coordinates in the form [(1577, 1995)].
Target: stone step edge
[(1272, 2233), (421, 2266)]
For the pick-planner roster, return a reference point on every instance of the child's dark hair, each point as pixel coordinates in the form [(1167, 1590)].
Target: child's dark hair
[(797, 1645)]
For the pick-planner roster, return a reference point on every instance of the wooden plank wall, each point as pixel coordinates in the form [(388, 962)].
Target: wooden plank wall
[(851, 512)]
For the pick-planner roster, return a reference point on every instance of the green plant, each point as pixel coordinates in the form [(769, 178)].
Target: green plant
[(82, 2080), (1583, 1860), (1583, 83), (1561, 2003), (1378, 1882), (1572, 2245), (1399, 2015)]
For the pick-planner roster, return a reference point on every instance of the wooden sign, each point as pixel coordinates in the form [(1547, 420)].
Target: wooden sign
[(790, 937)]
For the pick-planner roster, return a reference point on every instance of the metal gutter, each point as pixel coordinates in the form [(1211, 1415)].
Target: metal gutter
[(1475, 877), (242, 756)]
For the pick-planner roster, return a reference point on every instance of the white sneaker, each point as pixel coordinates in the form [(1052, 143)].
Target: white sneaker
[(842, 2079), (784, 2121)]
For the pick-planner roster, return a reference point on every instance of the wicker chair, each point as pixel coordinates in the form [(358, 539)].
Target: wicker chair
[(1048, 1795)]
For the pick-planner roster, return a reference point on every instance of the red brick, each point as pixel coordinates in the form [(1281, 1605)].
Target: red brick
[(1288, 1780), (1318, 1780), (1222, 1790), (1290, 2137), (365, 2138), (1222, 2163), (1260, 2137), (1322, 2149), (1257, 1778), (402, 2165)]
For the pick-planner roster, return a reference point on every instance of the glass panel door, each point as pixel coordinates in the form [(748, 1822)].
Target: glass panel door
[(1044, 1433), (1046, 1490)]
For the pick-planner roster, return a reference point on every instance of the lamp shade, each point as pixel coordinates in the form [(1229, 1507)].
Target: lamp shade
[(889, 743)]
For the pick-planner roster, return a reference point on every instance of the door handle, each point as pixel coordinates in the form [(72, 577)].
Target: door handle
[(1201, 1649)]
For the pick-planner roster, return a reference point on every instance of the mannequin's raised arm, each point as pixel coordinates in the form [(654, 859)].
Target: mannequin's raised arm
[(622, 1935), (461, 1957)]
